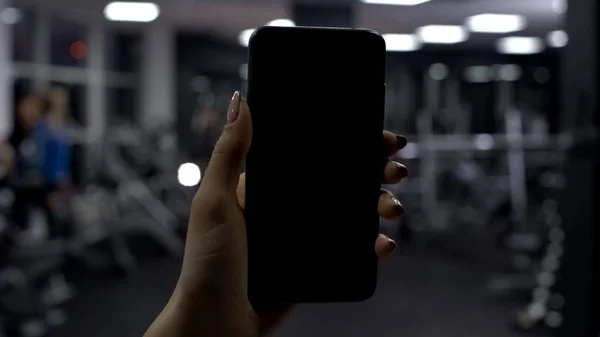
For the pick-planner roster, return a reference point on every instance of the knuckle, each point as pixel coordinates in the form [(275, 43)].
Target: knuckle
[(213, 208), (229, 145)]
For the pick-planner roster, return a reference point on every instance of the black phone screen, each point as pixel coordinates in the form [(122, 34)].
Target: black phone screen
[(315, 164)]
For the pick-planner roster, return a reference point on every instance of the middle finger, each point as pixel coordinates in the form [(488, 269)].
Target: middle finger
[(393, 172)]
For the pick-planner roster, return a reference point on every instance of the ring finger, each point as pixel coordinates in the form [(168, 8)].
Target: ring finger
[(389, 207)]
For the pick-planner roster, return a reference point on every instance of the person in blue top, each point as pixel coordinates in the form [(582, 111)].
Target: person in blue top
[(26, 178), (56, 164), (42, 171), (57, 145)]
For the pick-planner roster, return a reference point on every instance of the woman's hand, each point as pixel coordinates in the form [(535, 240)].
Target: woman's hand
[(210, 298)]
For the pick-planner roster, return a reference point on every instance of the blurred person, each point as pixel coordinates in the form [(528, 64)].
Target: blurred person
[(57, 160), (210, 298), (42, 170), (26, 176), (57, 152)]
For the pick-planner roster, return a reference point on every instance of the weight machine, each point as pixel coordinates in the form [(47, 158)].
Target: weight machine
[(529, 177)]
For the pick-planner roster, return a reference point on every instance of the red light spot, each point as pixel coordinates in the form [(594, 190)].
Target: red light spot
[(78, 50)]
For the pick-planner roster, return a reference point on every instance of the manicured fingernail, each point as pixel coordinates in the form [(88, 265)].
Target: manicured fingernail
[(234, 108), (398, 206), (393, 244), (402, 141), (402, 170)]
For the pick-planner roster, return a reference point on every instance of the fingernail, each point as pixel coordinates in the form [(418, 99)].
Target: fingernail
[(402, 169), (398, 206), (402, 141), (393, 244), (234, 108)]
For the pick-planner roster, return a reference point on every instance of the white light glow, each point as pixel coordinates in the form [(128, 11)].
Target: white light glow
[(496, 23), (557, 39), (537, 310), (440, 34), (131, 11), (478, 74), (509, 73), (401, 42), (484, 142), (520, 45), (10, 16), (244, 37), (281, 23), (189, 174), (410, 151), (395, 2), (560, 6), (546, 279), (438, 71)]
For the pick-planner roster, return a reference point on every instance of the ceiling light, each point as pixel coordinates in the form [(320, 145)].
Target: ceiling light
[(496, 23), (520, 45), (10, 16), (442, 34), (281, 23), (132, 11), (244, 37), (557, 39), (395, 2), (401, 42)]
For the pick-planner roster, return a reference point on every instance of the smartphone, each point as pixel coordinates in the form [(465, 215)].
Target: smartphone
[(313, 172)]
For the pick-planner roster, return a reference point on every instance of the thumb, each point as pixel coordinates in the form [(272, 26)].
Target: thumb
[(228, 156)]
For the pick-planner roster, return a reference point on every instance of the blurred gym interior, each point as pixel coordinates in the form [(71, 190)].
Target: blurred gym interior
[(496, 98)]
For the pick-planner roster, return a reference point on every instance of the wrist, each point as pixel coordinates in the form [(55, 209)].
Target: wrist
[(205, 313)]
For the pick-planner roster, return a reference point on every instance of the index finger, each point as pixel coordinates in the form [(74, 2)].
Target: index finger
[(393, 143)]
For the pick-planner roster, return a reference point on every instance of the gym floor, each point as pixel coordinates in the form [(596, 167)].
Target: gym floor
[(418, 295)]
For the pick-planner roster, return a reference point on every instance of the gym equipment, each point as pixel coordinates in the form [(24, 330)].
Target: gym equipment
[(506, 201), (110, 207), (95, 216), (545, 303), (153, 157), (167, 159), (139, 209), (31, 288)]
